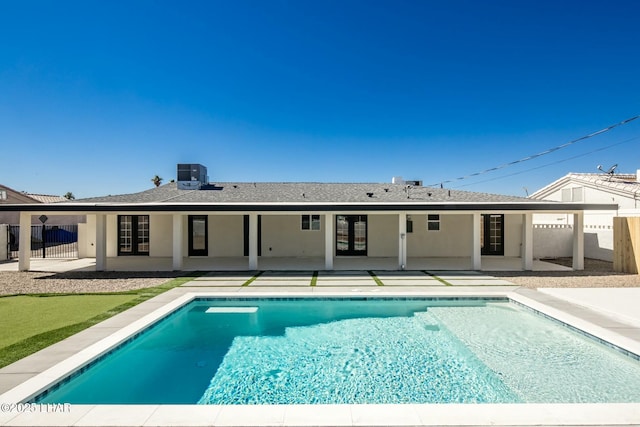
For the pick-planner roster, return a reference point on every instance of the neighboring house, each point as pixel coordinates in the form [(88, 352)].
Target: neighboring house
[(552, 235), (193, 224), (11, 196)]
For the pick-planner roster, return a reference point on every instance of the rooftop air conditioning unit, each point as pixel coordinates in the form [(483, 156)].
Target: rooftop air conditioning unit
[(191, 176)]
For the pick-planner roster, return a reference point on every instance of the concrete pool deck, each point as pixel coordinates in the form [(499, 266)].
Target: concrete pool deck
[(606, 313)]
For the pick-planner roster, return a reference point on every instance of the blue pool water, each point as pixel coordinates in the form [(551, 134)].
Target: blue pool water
[(297, 351)]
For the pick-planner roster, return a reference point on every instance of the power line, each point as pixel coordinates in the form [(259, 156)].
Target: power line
[(534, 156), (551, 164)]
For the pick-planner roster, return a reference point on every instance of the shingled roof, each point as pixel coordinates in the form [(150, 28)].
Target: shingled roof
[(303, 192), (304, 196)]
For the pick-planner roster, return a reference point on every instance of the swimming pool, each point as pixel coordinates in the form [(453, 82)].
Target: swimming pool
[(364, 350)]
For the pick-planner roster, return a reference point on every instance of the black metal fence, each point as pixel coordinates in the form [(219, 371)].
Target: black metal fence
[(47, 241)]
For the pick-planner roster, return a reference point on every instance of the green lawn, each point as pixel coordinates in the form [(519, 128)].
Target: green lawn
[(28, 315), (29, 323)]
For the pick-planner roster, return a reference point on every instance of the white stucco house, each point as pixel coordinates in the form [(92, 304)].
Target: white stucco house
[(193, 224), (553, 231)]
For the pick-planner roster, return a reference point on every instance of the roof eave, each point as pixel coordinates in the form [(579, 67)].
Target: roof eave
[(307, 207)]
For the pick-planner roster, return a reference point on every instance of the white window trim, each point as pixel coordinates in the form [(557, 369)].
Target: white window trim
[(434, 221), (572, 194), (311, 222)]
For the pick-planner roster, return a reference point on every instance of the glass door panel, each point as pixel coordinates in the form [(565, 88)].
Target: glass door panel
[(351, 235), (360, 234), (492, 234), (342, 234), (125, 245), (143, 234), (198, 235)]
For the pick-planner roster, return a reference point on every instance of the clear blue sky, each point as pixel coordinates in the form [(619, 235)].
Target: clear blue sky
[(97, 97)]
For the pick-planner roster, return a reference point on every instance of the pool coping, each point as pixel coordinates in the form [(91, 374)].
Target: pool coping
[(621, 335)]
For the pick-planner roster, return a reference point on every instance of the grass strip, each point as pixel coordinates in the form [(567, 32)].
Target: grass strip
[(34, 343), (23, 316), (248, 282), (375, 278), (444, 282), (314, 278)]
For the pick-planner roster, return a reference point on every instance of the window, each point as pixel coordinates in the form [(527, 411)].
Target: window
[(3, 195), (433, 222), (409, 224), (572, 194), (133, 234), (310, 222)]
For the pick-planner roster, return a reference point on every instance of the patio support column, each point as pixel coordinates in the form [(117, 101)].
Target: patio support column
[(177, 242), (253, 241), (24, 252), (527, 241), (476, 255), (578, 241), (328, 241), (101, 242), (402, 240)]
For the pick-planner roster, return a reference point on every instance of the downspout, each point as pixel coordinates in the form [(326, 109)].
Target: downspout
[(402, 236)]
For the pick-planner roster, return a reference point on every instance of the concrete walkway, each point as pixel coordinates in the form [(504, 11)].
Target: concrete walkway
[(407, 280), (53, 265), (620, 304)]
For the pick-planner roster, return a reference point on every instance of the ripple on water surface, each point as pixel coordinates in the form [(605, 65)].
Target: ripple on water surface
[(372, 360)]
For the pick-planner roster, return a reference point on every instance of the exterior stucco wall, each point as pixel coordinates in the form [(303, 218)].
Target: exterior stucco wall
[(598, 225), (596, 195), (553, 241), (282, 236), (226, 235), (513, 235), (112, 235), (160, 236), (454, 239), (382, 235), (598, 243), (87, 238)]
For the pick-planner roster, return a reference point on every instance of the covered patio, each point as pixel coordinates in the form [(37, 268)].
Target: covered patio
[(308, 226)]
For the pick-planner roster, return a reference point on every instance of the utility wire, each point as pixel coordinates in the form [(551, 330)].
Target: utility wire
[(534, 156), (551, 164)]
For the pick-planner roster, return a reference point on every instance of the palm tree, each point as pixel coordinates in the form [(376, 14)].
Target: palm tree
[(69, 196), (156, 180)]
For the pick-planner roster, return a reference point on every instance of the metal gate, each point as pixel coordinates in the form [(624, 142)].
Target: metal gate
[(47, 241)]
